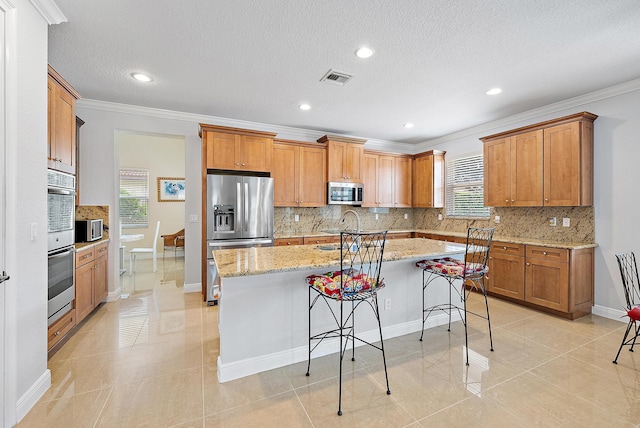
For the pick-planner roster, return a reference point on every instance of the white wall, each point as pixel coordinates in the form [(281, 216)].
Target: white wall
[(99, 168), (29, 184), (162, 156)]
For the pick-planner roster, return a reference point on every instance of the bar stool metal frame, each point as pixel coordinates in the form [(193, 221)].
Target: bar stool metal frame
[(471, 274), (631, 284), (358, 281)]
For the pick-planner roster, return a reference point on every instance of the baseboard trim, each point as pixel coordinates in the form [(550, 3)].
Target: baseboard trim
[(249, 366), (613, 314), (33, 394), (193, 288), (114, 295)]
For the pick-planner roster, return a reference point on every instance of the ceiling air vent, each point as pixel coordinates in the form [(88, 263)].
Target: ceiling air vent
[(336, 77)]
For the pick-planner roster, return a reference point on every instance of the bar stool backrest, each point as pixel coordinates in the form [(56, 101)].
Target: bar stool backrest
[(361, 254), (630, 281), (478, 245)]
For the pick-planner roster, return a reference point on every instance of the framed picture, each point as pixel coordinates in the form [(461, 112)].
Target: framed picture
[(170, 189)]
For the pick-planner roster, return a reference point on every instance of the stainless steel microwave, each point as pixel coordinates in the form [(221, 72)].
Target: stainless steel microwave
[(88, 230), (345, 193)]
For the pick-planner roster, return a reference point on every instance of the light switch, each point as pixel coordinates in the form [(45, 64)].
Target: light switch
[(406, 216), (439, 216), (34, 231), (496, 219), (376, 216), (193, 218), (296, 217), (566, 222)]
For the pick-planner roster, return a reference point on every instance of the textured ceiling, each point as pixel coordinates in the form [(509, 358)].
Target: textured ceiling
[(434, 60)]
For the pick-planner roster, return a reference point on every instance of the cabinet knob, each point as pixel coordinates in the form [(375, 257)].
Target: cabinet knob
[(546, 199), (544, 253), (528, 264), (242, 164), (504, 248), (513, 200), (56, 333), (507, 201)]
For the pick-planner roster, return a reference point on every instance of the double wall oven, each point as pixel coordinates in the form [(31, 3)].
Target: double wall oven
[(61, 251)]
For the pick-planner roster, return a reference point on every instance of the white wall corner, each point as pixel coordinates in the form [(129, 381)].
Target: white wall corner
[(33, 394), (49, 11)]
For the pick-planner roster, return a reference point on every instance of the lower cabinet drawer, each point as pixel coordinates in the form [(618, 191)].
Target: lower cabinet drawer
[(288, 241), (58, 329)]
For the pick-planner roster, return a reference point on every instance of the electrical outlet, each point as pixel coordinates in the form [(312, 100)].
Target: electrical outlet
[(566, 222), (376, 216), (193, 218), (439, 216), (552, 221), (406, 216), (34, 231), (496, 219), (387, 304), (296, 217)]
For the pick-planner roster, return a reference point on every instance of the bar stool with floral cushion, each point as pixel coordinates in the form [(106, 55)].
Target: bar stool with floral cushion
[(356, 283), (463, 276)]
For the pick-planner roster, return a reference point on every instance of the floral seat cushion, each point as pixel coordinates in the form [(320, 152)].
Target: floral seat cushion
[(342, 283), (452, 267)]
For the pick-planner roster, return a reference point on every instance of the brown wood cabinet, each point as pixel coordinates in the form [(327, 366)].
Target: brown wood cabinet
[(344, 158), (60, 328), (299, 174), (428, 180), (399, 235), (91, 279), (331, 239), (546, 164), (61, 150), (506, 270), (288, 241), (236, 149), (559, 280), (387, 180)]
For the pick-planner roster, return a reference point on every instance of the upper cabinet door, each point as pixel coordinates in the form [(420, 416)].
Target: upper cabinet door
[(61, 98), (568, 165), (221, 151), (344, 158), (353, 162), (526, 169), (255, 153), (402, 182), (428, 180), (370, 179), (497, 173), (285, 175), (313, 176), (385, 181)]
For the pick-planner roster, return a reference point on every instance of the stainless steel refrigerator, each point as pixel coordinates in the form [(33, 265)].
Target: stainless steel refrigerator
[(239, 214)]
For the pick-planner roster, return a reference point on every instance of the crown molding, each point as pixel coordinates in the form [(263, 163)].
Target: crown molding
[(6, 5), (490, 127), (49, 11), (283, 132)]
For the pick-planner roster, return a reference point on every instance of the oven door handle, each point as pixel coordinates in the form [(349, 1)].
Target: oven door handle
[(60, 191), (64, 253)]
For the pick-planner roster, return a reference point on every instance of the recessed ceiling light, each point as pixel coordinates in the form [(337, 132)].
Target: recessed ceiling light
[(364, 52), (141, 77), (494, 91), (305, 107), (408, 125)]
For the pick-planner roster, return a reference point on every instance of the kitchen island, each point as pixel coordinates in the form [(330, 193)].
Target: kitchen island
[(263, 313)]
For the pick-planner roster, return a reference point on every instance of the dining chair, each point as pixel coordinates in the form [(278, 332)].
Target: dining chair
[(133, 253)]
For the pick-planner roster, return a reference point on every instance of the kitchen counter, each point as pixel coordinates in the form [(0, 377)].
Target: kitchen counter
[(263, 260), (509, 239), (264, 309)]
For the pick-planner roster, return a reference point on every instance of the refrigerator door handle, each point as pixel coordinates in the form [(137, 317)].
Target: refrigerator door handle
[(238, 207), (246, 207)]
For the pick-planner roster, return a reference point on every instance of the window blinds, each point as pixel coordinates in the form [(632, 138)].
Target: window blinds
[(134, 198), (465, 187)]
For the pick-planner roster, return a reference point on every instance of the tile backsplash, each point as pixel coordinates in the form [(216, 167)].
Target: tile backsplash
[(516, 222)]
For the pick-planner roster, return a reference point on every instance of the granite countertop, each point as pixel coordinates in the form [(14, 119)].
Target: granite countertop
[(84, 245), (263, 260), (508, 239)]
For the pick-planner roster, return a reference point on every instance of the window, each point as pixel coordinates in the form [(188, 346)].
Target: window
[(465, 187), (134, 198)]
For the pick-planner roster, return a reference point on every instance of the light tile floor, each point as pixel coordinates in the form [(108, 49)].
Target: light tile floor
[(150, 361)]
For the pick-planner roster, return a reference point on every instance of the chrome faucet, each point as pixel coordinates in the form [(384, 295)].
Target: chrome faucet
[(342, 219)]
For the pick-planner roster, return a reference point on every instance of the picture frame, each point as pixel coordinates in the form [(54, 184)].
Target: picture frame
[(171, 189)]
